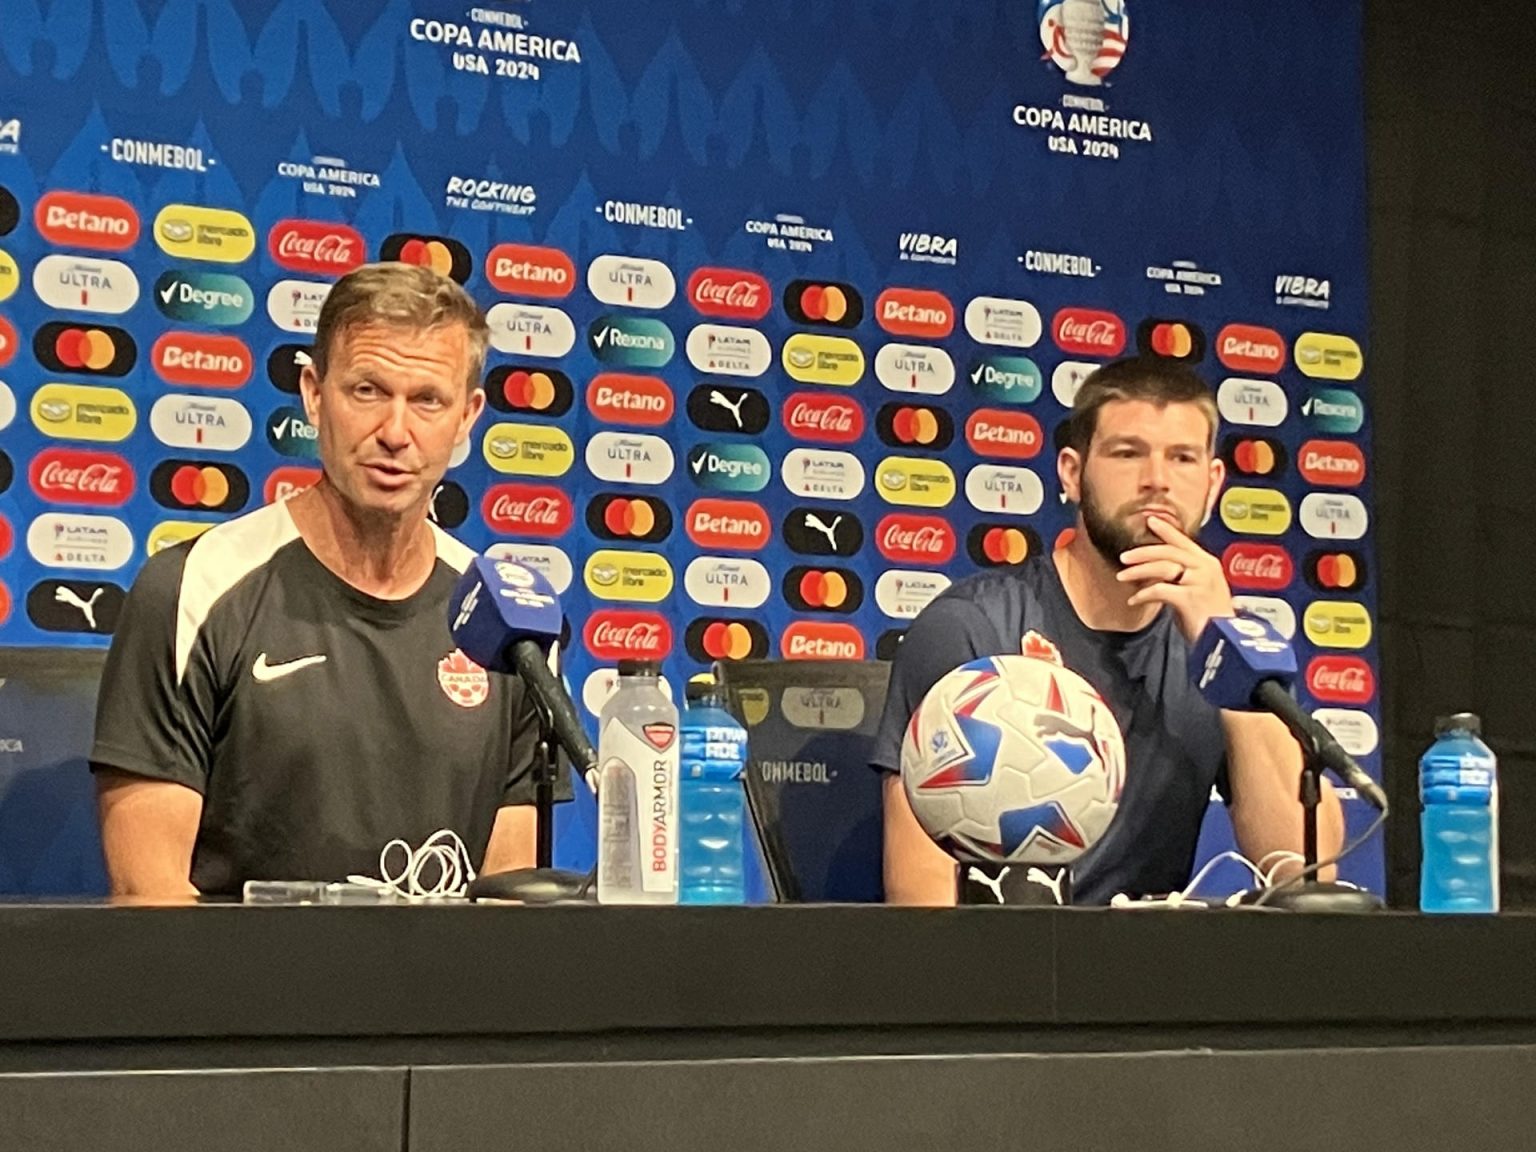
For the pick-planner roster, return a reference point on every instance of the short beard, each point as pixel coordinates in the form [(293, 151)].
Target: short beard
[(1113, 536)]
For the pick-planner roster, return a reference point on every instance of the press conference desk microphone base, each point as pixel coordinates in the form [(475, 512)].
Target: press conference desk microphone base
[(1319, 896), (535, 886)]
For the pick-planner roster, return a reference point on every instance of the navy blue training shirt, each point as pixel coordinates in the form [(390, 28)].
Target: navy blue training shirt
[(1175, 750)]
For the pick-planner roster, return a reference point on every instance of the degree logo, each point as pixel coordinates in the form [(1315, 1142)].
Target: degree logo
[(1328, 356), (813, 359), (996, 545), (84, 350), (530, 389), (641, 577), (190, 232), (529, 270), (614, 517), (79, 220), (918, 312), (729, 467), (631, 341), (77, 283), (530, 330), (528, 449), (629, 458), (215, 298), (631, 282), (823, 302), (201, 360), (619, 398), (916, 482), (1178, 340), (734, 524), (442, 254), (915, 369), (1255, 511), (1006, 380), (711, 638)]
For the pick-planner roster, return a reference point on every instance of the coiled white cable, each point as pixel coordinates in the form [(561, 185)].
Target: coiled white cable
[(443, 850)]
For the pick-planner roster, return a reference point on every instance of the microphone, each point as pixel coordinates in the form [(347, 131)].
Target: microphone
[(504, 616), (1242, 664)]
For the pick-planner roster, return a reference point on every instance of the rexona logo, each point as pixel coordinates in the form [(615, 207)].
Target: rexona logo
[(72, 540), (1341, 570), (78, 412), (823, 532), (813, 359), (205, 298), (80, 284), (831, 419), (727, 582), (729, 467), (1328, 356), (288, 481), (640, 577), (85, 351), (908, 539), (294, 305), (633, 341), (823, 302), (316, 248), (616, 398), (918, 312), (1333, 516), (996, 545), (615, 517), (735, 524), (189, 232), (291, 433), (78, 220), (528, 449), (1171, 340), (1087, 332), (1006, 379), (1254, 402), (1254, 455), (728, 351), (630, 282), (1011, 323), (1332, 463), (442, 254), (834, 590), (1255, 511), (915, 482), (553, 563), (915, 368), (530, 330), (1337, 624), (612, 634), (527, 510), (998, 432), (529, 388), (68, 476), (202, 360), (1334, 410), (715, 638), (915, 426), (730, 293), (822, 473), (1341, 680), (211, 422), (1246, 348), (197, 486), (821, 640), (727, 408), (902, 593), (999, 488), (629, 458), (1262, 567), (530, 270)]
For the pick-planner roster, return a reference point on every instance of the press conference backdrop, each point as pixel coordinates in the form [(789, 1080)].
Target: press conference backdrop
[(787, 297)]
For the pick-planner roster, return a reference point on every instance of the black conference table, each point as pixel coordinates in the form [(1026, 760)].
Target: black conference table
[(430, 1029)]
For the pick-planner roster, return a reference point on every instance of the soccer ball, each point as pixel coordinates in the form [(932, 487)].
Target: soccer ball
[(1013, 760)]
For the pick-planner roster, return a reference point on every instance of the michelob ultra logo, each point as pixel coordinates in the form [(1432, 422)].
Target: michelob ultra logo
[(729, 467), (1256, 511), (629, 458), (530, 270), (1256, 402), (205, 298), (915, 368), (530, 330), (80, 412), (1011, 323), (202, 360), (813, 359), (79, 540), (189, 232), (638, 577), (1007, 379), (1337, 624), (87, 350), (1328, 356), (1001, 488), (631, 282), (632, 341), (528, 449), (727, 582), (915, 482), (822, 473), (726, 350), (76, 283), (80, 220), (169, 533), (823, 709), (1334, 410), (211, 422), (918, 312), (1333, 516)]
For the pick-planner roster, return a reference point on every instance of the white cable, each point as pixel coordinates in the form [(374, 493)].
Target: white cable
[(443, 850), (1205, 871)]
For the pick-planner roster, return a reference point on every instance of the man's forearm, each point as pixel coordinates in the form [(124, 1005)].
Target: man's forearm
[(1264, 767)]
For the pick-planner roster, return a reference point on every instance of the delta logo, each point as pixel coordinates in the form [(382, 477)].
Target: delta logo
[(822, 418), (1005, 434), (908, 539), (71, 476), (1341, 680), (730, 293), (1261, 567), (621, 398), (917, 312), (530, 270), (1332, 463), (78, 220), (738, 525), (613, 634), (202, 360), (85, 351), (1248, 348), (818, 640), (1087, 332), (527, 510), (316, 248)]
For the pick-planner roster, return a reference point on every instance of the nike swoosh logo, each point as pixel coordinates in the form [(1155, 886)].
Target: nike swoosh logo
[(265, 673)]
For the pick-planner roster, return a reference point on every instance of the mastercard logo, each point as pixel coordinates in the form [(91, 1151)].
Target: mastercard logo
[(537, 390), (819, 640), (713, 638), (823, 589), (85, 350), (1254, 456), (827, 303), (8, 342), (1171, 340), (196, 486), (445, 256), (1338, 571), (614, 517), (996, 545), (914, 426)]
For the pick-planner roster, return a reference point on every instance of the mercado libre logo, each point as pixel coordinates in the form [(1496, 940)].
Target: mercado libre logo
[(1086, 39)]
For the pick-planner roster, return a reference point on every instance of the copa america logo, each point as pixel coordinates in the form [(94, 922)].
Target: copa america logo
[(1085, 38)]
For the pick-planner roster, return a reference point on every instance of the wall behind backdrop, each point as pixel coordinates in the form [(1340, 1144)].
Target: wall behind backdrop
[(787, 298)]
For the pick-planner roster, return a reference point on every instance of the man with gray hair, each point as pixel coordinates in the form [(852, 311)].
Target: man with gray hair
[(283, 696)]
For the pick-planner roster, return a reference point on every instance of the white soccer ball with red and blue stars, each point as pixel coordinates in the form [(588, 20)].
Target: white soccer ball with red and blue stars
[(1013, 760)]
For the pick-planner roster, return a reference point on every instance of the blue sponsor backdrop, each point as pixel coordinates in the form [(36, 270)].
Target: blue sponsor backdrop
[(1186, 163)]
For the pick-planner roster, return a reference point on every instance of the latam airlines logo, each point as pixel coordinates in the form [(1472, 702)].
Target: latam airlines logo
[(1010, 323), (730, 293), (918, 312), (724, 350), (818, 472), (75, 540), (314, 248), (294, 305), (1086, 39), (78, 220), (1086, 332)]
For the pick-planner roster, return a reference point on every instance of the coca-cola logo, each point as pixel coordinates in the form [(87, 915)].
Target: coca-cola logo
[(70, 476), (527, 510), (828, 419), (730, 292), (1341, 680), (316, 248), (1265, 567), (1088, 332), (907, 539), (620, 635)]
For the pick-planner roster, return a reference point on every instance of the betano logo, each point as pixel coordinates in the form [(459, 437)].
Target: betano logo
[(629, 458), (86, 351), (287, 481), (915, 369), (729, 467), (813, 359), (822, 473), (631, 282), (1248, 348), (530, 270), (637, 577), (1331, 463), (530, 330), (204, 297), (190, 232), (915, 482), (1005, 434), (1328, 356), (727, 582), (617, 398), (215, 423), (77, 283), (631, 341), (1337, 624), (1005, 489), (202, 360), (80, 220), (528, 449), (735, 524), (79, 412), (916, 312), (1255, 511), (821, 640)]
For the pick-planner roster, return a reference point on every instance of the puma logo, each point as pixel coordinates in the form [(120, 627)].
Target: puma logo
[(828, 530), (996, 884), (87, 607), (1045, 879), (717, 397)]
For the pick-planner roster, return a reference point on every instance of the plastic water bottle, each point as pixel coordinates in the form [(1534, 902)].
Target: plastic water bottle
[(1459, 788), (714, 758), (637, 756)]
